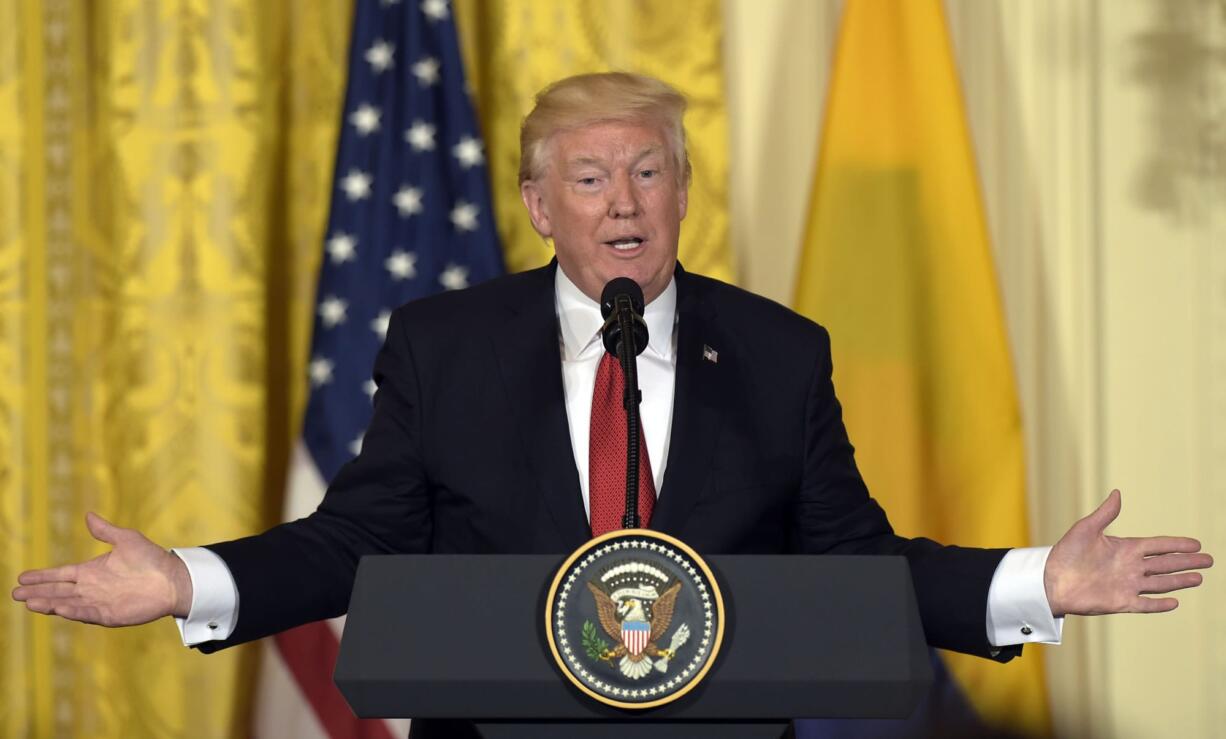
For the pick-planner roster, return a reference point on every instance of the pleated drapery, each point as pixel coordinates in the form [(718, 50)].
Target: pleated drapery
[(164, 175)]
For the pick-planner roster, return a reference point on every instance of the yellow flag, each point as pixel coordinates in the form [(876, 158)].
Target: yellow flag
[(897, 265), (513, 49)]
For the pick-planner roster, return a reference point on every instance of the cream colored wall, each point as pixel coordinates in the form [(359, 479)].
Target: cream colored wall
[(778, 56), (1163, 188), (1029, 87), (1100, 127)]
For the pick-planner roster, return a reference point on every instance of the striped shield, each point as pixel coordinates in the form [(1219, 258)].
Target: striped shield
[(635, 635)]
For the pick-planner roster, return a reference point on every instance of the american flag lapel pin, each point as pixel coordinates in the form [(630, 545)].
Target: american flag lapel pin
[(710, 354)]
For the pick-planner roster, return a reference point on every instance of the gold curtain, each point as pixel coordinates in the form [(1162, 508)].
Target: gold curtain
[(514, 48), (165, 170)]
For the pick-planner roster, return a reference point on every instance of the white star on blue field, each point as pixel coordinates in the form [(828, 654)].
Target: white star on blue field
[(411, 208)]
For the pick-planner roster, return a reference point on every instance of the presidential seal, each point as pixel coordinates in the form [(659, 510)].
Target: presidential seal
[(634, 618)]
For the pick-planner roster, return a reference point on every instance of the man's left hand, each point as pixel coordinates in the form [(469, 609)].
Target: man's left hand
[(1089, 573)]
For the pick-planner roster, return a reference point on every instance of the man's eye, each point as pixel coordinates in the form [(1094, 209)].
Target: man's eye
[(648, 173)]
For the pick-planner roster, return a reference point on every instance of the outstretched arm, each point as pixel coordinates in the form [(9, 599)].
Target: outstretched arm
[(134, 583), (1090, 573)]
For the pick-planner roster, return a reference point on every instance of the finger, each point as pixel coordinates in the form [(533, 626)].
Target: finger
[(1168, 583), (63, 573), (101, 529), (84, 614), (73, 610), (1165, 564), (46, 590), (1154, 605), (1107, 512), (1152, 545), (39, 605)]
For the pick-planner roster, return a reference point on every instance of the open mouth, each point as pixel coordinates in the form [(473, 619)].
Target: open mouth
[(625, 244)]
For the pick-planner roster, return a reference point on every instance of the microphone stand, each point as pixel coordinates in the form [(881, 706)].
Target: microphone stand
[(627, 354)]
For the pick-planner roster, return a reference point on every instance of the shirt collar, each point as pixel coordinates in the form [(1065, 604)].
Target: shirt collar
[(580, 321)]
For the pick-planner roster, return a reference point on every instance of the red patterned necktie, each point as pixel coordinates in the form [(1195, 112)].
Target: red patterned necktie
[(607, 454)]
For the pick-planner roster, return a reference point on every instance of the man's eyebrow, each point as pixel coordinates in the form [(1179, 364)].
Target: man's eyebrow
[(585, 161), (653, 149), (581, 161)]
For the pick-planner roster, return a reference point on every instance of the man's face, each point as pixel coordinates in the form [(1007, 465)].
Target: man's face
[(612, 201)]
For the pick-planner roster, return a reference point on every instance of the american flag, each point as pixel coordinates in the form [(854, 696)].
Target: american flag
[(411, 216), (411, 210)]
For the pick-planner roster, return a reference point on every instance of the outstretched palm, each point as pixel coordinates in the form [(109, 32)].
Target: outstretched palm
[(134, 583), (1089, 573)]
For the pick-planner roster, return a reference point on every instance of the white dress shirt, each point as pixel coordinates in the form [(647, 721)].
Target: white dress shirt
[(1017, 612), (579, 323)]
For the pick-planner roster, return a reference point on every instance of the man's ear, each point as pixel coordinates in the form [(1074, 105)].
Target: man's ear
[(683, 200), (534, 201)]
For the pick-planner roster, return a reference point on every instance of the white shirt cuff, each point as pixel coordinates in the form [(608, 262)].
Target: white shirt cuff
[(214, 611), (1018, 611)]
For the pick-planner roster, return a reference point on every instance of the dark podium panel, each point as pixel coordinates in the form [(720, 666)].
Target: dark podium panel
[(463, 636)]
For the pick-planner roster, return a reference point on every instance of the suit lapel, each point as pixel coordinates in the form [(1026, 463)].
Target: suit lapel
[(531, 366), (700, 386)]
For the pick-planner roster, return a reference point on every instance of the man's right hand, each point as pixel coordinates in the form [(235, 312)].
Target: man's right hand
[(134, 583)]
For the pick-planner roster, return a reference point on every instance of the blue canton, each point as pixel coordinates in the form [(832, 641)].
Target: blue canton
[(411, 208)]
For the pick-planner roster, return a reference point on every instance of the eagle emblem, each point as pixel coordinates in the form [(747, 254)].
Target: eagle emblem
[(635, 603), (634, 618)]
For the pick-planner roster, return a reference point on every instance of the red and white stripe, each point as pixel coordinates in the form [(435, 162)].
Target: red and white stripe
[(635, 639), (296, 698)]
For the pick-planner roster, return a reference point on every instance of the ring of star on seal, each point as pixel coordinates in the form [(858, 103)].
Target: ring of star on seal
[(634, 618)]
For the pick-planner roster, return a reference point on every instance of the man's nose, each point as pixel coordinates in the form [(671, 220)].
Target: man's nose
[(623, 200)]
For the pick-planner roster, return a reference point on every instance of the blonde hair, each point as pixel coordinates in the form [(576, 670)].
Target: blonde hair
[(585, 99)]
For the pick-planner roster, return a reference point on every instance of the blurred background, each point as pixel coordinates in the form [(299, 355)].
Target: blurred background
[(166, 170)]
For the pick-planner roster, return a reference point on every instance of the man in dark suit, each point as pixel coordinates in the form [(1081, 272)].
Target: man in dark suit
[(482, 438), (469, 452)]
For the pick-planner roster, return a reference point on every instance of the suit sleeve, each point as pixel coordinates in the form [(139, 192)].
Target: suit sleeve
[(379, 503), (836, 515)]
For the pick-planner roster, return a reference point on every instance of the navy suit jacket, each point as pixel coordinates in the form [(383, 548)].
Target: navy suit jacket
[(469, 451)]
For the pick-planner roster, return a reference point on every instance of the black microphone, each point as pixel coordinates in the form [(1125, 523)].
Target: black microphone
[(622, 296), (621, 305)]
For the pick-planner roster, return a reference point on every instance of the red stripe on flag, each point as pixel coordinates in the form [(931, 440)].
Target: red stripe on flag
[(310, 653)]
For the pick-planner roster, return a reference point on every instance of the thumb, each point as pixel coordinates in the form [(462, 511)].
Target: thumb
[(1107, 512), (101, 529)]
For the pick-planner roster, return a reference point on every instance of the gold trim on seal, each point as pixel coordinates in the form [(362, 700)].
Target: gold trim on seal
[(647, 533)]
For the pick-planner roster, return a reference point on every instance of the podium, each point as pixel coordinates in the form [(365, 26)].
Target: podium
[(463, 636)]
